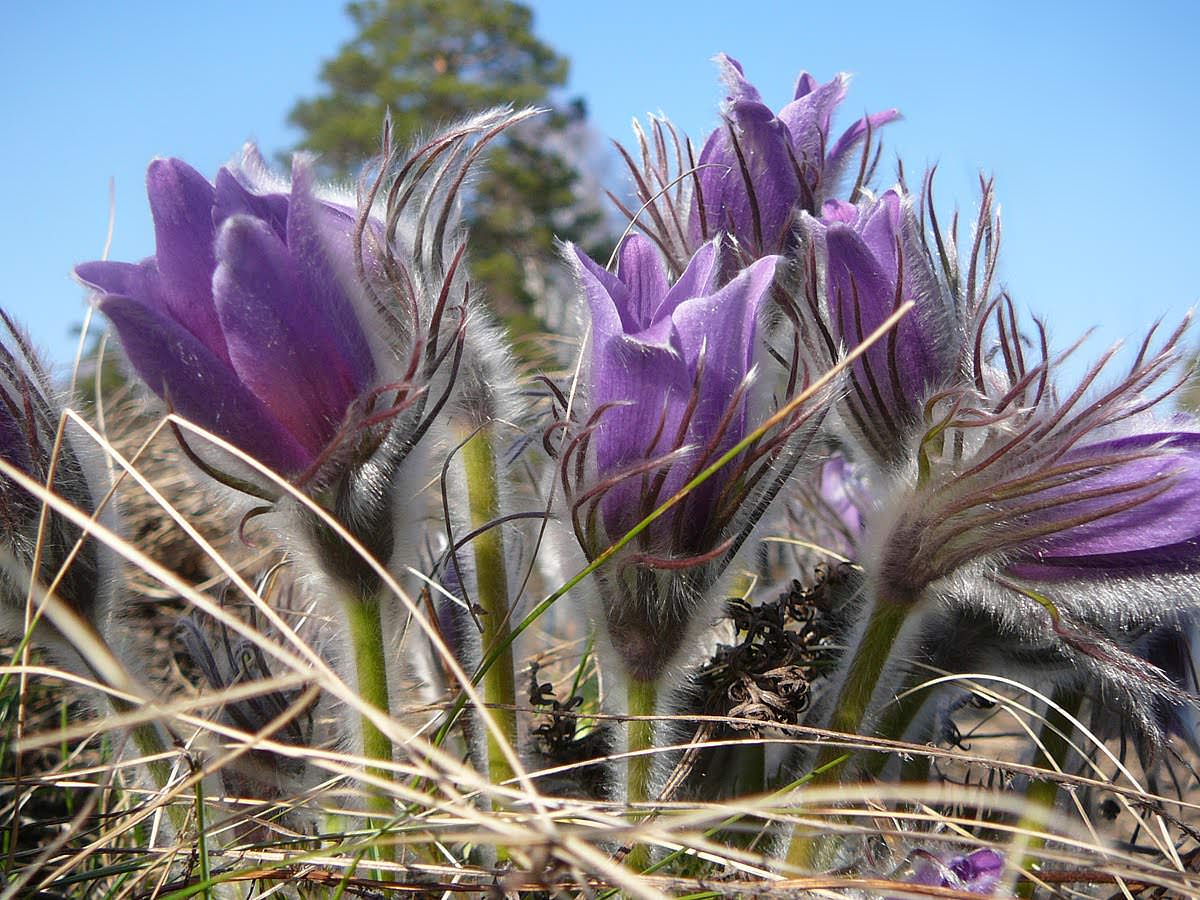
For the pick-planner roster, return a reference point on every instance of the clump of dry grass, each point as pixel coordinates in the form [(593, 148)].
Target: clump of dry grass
[(268, 797)]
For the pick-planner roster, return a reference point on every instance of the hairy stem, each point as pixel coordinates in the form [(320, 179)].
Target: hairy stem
[(894, 721), (850, 709), (366, 638), (491, 580), (150, 743), (1040, 795), (641, 700)]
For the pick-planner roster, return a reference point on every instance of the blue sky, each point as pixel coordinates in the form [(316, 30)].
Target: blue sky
[(1085, 113)]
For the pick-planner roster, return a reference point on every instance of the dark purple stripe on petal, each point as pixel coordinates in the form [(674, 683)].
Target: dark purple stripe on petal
[(807, 119), (862, 269), (757, 214), (837, 156), (722, 326), (652, 386)]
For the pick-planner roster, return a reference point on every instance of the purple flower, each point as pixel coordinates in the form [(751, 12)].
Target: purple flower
[(670, 390), (836, 504), (978, 872), (1040, 532), (874, 259), (1122, 505), (245, 319), (754, 175), (1062, 488), (669, 370), (323, 334), (759, 171)]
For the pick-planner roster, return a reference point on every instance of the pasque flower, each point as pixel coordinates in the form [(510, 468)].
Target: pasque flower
[(1053, 488), (834, 501), (1026, 529), (671, 388), (247, 318), (670, 391), (755, 173), (319, 332), (669, 368), (978, 872), (870, 258), (762, 168), (1046, 527), (86, 580)]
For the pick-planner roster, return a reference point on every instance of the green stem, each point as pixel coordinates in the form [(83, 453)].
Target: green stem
[(1042, 793), (752, 768), (366, 638), (491, 584), (150, 743), (641, 700), (893, 723), (870, 658)]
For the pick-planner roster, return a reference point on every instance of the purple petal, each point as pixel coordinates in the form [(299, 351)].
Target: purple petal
[(842, 493), (640, 268), (200, 386), (606, 295), (699, 279), (645, 380), (723, 326), (807, 120), (321, 241), (1161, 532), (652, 386), (734, 79), (756, 206), (880, 228), (278, 342), (726, 322), (978, 872), (181, 203), (839, 211), (837, 157), (862, 294), (137, 281), (805, 85), (232, 198)]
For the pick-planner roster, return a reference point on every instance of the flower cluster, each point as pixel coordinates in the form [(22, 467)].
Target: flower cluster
[(774, 332)]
